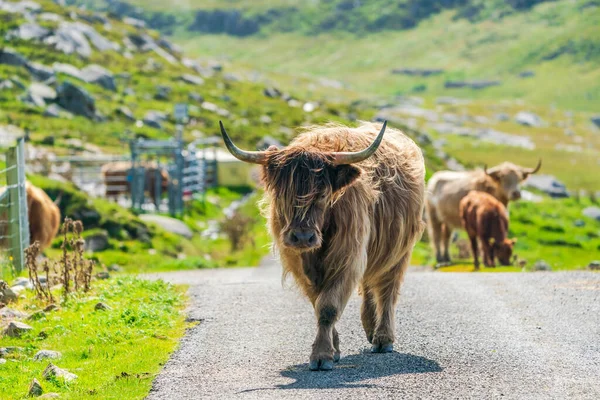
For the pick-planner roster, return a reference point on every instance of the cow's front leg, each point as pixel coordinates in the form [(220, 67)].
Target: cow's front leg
[(337, 354), (488, 254), (328, 308), (474, 250)]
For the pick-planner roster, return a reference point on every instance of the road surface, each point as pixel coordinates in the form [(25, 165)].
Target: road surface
[(459, 336)]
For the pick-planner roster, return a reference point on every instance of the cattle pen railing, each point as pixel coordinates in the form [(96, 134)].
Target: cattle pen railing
[(14, 224), (196, 171)]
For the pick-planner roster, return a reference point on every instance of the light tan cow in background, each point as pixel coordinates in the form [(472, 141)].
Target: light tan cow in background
[(446, 189)]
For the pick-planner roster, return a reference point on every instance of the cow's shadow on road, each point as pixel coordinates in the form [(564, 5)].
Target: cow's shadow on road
[(352, 370)]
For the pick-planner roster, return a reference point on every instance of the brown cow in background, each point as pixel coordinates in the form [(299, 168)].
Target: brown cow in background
[(345, 209), (44, 218), (486, 219), (446, 189), (117, 180)]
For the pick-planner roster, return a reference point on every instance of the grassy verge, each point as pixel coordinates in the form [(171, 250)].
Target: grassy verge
[(115, 353)]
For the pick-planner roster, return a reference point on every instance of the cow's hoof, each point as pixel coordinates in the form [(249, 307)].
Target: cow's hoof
[(322, 365), (336, 356), (385, 348)]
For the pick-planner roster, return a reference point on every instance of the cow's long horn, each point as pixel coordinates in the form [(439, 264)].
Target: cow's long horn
[(530, 171), (344, 158), (254, 157)]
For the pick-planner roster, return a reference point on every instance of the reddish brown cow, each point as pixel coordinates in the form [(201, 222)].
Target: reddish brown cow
[(486, 219), (345, 209)]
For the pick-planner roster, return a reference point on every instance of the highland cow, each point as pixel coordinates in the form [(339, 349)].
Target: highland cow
[(345, 209)]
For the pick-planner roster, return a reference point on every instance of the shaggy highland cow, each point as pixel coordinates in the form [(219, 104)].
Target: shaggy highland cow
[(345, 209)]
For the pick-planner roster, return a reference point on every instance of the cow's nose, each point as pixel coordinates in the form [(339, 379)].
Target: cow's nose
[(516, 195), (303, 238)]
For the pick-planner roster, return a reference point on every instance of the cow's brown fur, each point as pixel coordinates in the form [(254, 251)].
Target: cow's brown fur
[(115, 178), (446, 189), (44, 218), (486, 219), (368, 217)]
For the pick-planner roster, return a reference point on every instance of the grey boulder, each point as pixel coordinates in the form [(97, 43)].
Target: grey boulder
[(12, 57), (192, 79), (97, 242), (592, 212), (169, 224), (45, 92), (40, 72), (53, 372), (28, 31), (47, 355), (548, 184), (76, 100), (99, 76), (16, 329), (528, 119)]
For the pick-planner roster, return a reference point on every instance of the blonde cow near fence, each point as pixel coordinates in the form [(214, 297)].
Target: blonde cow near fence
[(446, 189)]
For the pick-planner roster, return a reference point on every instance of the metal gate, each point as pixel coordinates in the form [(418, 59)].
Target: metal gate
[(14, 223)]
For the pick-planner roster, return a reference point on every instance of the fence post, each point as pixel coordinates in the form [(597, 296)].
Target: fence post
[(17, 197)]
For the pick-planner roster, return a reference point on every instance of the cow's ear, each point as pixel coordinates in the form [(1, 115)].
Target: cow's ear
[(343, 175)]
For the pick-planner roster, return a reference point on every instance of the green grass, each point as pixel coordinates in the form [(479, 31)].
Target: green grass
[(116, 353)]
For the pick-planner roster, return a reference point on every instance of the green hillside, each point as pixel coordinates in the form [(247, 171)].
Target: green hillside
[(137, 88), (359, 43)]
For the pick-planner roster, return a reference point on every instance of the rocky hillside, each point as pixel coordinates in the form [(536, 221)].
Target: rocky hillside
[(79, 80)]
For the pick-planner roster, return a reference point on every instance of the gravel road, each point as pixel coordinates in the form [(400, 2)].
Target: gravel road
[(459, 336)]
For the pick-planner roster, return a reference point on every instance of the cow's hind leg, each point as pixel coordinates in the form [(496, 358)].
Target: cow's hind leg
[(387, 291), (329, 306), (368, 313), (435, 233), (446, 234)]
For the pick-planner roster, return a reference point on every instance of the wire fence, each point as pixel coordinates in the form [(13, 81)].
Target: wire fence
[(14, 224)]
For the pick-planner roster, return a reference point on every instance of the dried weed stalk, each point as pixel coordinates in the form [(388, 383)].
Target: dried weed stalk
[(73, 271), (42, 291)]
